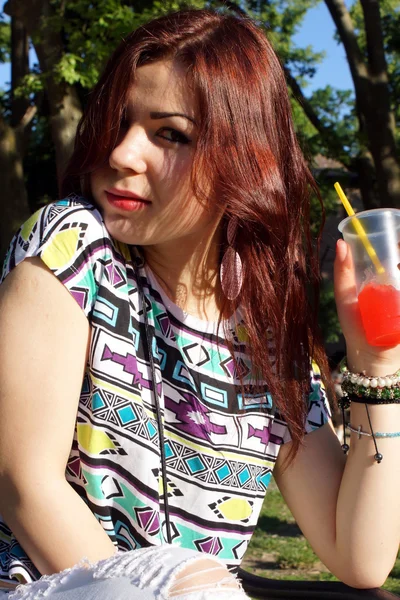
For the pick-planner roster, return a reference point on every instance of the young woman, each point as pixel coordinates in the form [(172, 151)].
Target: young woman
[(148, 399)]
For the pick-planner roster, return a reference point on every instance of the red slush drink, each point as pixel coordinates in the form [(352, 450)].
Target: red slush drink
[(380, 313)]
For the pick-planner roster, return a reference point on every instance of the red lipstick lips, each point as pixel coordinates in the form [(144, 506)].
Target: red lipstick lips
[(125, 200)]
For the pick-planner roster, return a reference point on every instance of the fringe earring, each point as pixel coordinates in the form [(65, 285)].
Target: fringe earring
[(231, 271)]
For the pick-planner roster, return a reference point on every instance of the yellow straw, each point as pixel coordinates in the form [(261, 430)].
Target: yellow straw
[(360, 230)]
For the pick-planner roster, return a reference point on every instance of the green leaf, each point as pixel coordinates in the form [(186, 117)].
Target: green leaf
[(5, 40)]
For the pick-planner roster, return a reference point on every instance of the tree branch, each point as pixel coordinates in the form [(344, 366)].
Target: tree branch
[(304, 103), (327, 134), (378, 72), (375, 44), (27, 117), (382, 128), (19, 68), (359, 71)]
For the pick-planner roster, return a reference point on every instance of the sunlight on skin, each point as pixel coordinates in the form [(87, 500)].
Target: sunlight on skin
[(153, 160), (198, 573)]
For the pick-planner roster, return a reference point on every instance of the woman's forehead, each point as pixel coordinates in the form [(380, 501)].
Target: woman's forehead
[(163, 83)]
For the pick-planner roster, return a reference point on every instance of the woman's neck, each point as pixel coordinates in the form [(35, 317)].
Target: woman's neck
[(188, 272)]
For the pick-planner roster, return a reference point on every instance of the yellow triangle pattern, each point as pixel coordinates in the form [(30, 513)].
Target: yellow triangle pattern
[(317, 371), (242, 334), (123, 248), (235, 509), (27, 227), (61, 249), (92, 440)]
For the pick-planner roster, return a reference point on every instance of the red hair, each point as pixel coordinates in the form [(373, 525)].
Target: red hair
[(248, 153)]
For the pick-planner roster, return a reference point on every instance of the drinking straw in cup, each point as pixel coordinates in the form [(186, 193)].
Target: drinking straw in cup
[(373, 238), (359, 229)]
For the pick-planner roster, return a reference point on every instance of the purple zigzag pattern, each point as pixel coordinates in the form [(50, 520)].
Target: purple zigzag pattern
[(264, 435), (193, 417), (129, 363)]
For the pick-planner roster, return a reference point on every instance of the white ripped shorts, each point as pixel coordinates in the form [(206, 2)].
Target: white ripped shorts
[(156, 573)]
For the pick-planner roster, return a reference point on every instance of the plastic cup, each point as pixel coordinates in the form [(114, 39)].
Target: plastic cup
[(378, 293)]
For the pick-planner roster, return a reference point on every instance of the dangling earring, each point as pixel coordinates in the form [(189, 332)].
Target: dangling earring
[(231, 271)]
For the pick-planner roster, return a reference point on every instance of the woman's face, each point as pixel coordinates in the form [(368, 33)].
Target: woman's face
[(144, 191)]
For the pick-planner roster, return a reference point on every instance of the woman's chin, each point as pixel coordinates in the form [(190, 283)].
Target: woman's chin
[(120, 230)]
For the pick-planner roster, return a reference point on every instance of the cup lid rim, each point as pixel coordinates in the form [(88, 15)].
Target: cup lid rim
[(365, 213)]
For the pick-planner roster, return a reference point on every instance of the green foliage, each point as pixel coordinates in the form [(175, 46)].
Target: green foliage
[(390, 15), (282, 19), (31, 84), (306, 132), (5, 40), (335, 109), (5, 104), (91, 31)]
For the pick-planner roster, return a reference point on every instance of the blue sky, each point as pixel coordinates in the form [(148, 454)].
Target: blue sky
[(318, 31)]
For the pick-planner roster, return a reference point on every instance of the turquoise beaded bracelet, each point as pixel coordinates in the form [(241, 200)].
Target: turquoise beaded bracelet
[(378, 434)]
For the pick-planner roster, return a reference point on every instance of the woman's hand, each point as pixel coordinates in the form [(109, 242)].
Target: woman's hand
[(361, 356)]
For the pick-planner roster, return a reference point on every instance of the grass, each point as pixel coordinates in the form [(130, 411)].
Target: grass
[(278, 549)]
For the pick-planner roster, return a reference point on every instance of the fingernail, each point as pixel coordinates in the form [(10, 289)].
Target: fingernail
[(341, 250)]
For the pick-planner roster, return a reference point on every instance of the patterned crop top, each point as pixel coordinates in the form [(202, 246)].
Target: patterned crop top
[(220, 447)]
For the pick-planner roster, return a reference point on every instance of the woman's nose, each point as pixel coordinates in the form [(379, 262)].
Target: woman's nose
[(129, 153)]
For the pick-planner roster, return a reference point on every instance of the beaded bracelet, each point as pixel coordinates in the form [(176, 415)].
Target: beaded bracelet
[(358, 387), (371, 390), (378, 434), (344, 403), (371, 401), (378, 456)]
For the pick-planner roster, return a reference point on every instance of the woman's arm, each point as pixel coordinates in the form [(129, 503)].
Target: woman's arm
[(349, 509), (44, 342)]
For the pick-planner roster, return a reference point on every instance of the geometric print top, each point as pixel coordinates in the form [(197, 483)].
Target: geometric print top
[(220, 447)]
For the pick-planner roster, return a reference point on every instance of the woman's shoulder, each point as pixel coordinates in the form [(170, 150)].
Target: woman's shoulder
[(61, 231), (71, 239), (68, 213)]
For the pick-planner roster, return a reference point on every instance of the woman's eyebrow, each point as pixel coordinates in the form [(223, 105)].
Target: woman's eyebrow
[(163, 115)]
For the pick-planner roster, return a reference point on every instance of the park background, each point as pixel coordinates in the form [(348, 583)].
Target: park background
[(341, 60)]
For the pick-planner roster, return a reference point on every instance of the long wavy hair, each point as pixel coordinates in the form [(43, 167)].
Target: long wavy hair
[(248, 153)]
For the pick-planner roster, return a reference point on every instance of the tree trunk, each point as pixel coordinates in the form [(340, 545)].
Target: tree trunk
[(19, 68), (65, 107), (14, 206), (359, 72), (381, 121), (65, 113), (372, 94), (364, 167)]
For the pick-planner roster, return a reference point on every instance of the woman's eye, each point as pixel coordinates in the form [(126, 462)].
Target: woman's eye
[(173, 136)]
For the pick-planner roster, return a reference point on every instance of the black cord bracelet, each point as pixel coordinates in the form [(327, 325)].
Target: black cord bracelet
[(371, 400)]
